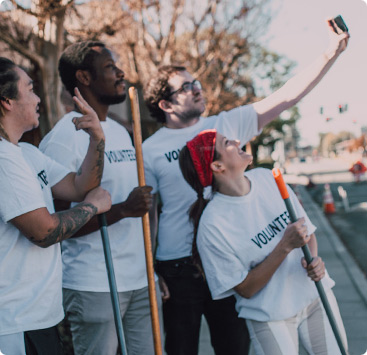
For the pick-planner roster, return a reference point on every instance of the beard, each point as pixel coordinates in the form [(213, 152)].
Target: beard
[(112, 100), (190, 114)]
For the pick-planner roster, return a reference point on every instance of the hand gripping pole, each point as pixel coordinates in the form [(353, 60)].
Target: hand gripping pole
[(306, 251), (145, 219)]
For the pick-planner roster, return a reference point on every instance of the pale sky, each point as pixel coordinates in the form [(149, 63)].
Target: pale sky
[(299, 31)]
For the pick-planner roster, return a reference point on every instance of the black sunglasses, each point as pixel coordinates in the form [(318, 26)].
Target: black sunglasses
[(186, 87)]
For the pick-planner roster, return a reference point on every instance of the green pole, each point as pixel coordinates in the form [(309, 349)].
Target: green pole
[(306, 251), (112, 282)]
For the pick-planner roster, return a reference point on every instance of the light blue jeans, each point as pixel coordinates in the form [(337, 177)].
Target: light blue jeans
[(93, 327)]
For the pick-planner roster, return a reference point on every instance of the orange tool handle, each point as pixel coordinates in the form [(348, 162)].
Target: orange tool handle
[(281, 184)]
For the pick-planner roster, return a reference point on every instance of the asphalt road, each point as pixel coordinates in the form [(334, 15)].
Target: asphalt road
[(351, 226)]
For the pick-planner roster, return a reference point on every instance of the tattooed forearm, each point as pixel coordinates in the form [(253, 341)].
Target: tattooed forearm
[(70, 222), (98, 166), (100, 160), (92, 170)]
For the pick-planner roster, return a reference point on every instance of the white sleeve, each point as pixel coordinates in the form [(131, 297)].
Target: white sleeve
[(223, 270), (20, 191), (64, 144), (56, 171), (62, 153), (240, 123)]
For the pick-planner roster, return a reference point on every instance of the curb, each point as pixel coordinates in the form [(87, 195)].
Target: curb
[(355, 273)]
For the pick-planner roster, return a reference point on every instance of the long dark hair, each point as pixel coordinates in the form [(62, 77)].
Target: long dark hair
[(8, 87), (197, 208)]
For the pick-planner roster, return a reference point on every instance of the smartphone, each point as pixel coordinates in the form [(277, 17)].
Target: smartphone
[(340, 23)]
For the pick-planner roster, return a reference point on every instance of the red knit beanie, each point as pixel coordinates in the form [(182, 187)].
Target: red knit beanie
[(201, 150)]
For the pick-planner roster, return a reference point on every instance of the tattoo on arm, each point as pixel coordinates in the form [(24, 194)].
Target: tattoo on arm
[(100, 160), (70, 222)]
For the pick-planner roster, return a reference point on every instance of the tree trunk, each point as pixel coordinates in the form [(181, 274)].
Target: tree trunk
[(49, 75)]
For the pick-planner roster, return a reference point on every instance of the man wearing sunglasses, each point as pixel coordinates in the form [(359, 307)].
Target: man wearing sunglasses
[(175, 99)]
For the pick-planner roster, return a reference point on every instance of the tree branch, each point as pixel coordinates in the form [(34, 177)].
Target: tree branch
[(178, 9), (15, 45), (23, 9)]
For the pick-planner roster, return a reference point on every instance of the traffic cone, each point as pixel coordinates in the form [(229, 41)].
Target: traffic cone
[(328, 200)]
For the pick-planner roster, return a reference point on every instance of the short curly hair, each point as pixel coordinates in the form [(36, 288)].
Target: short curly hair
[(77, 56), (158, 89)]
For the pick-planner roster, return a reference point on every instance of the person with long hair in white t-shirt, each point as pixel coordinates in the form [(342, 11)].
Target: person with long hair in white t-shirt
[(249, 248), (30, 229)]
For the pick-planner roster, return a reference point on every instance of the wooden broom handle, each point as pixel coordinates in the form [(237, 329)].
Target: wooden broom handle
[(145, 219)]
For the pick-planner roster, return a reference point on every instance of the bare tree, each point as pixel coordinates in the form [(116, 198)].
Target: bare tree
[(211, 38), (215, 39), (37, 35)]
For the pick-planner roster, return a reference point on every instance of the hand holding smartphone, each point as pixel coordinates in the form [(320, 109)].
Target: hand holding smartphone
[(338, 20)]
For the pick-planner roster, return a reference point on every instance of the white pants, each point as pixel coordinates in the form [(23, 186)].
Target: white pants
[(12, 344), (93, 327), (311, 325)]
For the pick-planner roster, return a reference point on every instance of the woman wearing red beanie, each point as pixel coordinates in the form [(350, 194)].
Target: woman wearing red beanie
[(249, 248)]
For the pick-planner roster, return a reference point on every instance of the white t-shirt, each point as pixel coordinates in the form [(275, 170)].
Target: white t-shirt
[(30, 276), (163, 173), (84, 266), (237, 233)]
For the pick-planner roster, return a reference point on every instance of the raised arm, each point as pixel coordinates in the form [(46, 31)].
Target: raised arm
[(45, 229), (301, 84), (75, 185)]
